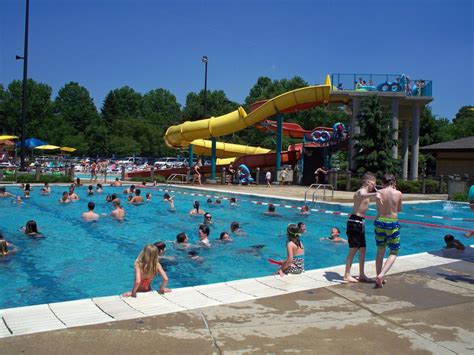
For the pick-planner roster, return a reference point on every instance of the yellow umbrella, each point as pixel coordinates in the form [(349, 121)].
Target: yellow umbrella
[(47, 147), (68, 149), (5, 137)]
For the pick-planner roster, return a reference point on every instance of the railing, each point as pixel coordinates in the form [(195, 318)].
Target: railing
[(383, 83), (177, 179), (318, 187)]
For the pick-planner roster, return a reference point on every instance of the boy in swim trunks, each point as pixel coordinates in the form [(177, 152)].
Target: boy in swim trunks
[(356, 227), (387, 228)]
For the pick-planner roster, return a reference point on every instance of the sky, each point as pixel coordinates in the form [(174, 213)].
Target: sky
[(150, 44)]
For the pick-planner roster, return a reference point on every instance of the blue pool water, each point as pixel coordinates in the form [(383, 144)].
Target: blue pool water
[(78, 260)]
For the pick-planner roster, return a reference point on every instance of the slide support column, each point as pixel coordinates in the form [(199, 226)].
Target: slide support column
[(213, 162), (415, 141), (191, 158), (405, 144), (279, 142), (394, 110), (355, 130)]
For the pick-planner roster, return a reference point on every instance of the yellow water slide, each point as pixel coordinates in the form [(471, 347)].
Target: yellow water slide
[(195, 132)]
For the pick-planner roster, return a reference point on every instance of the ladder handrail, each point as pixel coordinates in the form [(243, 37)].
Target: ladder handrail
[(172, 178), (319, 186)]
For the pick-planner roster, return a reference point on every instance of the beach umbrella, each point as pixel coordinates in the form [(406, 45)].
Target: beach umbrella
[(47, 147), (31, 143), (68, 149), (7, 137)]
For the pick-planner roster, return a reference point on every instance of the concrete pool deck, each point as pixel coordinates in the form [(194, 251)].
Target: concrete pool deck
[(427, 306)]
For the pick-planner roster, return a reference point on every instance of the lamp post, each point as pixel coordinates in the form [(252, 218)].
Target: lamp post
[(25, 78), (213, 139)]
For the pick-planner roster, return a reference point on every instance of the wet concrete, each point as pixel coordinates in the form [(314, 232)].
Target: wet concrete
[(420, 312)]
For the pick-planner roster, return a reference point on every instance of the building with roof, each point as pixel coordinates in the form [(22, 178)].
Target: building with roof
[(453, 157)]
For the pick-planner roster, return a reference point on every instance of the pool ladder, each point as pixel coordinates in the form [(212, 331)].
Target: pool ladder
[(317, 187), (177, 179)]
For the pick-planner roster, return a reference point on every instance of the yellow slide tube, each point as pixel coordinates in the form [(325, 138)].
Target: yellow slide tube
[(195, 132)]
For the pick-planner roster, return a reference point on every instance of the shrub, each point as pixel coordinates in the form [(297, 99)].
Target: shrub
[(158, 178), (409, 186), (459, 196), (30, 178)]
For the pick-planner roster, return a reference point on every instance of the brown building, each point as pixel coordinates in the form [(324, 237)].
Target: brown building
[(453, 157)]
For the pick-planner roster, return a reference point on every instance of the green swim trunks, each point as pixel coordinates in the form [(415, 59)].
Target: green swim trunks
[(387, 233)]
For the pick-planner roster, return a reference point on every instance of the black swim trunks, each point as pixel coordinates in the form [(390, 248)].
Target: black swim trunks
[(356, 231)]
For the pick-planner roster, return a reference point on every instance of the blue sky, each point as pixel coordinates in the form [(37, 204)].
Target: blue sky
[(107, 44)]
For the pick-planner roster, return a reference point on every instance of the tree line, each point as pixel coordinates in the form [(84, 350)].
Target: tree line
[(129, 122)]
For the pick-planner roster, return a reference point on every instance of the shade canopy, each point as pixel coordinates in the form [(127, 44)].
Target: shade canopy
[(6, 136), (31, 143), (47, 147), (68, 149)]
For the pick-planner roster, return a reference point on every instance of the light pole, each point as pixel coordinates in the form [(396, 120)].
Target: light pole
[(25, 78), (213, 139)]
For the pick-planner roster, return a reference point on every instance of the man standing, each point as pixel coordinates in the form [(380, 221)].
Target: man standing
[(387, 228), (356, 227)]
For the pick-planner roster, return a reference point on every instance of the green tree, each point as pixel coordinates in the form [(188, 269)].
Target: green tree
[(122, 103), (463, 123), (75, 106), (217, 104), (160, 107), (39, 107), (374, 146), (97, 138)]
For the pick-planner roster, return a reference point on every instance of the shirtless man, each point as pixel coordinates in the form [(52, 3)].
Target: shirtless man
[(118, 212), (387, 228), (117, 182), (356, 227), (137, 198), (90, 215), (129, 190), (4, 193), (72, 194)]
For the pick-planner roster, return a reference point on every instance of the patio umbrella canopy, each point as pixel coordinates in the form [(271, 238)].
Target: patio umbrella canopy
[(7, 137), (68, 149), (47, 147), (31, 143)]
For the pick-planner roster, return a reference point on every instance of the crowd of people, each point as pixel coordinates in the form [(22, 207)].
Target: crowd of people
[(147, 265)]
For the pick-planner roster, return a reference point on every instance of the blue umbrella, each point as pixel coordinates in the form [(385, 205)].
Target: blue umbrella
[(31, 143)]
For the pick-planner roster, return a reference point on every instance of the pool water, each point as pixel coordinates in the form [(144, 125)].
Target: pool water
[(79, 260)]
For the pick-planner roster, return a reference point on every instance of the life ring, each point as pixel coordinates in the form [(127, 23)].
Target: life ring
[(385, 87), (470, 196), (320, 136), (245, 178), (395, 87)]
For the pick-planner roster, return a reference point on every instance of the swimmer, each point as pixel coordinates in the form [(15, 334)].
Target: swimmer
[(147, 266), (161, 246), (209, 201), (182, 240), (45, 190), (203, 233), (294, 263), (194, 255), (4, 193), (72, 194), (207, 219), (148, 196), (232, 202), (235, 229), (452, 243), (65, 198), (225, 237), (335, 236), (31, 229), (27, 187), (90, 190), (137, 198), (117, 182), (99, 188), (304, 210), (78, 182), (17, 200), (302, 228), (118, 212), (271, 211), (90, 215), (129, 190), (218, 201), (169, 199), (26, 193), (6, 247), (196, 210)]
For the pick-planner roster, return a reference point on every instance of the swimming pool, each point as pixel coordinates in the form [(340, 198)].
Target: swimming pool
[(79, 260)]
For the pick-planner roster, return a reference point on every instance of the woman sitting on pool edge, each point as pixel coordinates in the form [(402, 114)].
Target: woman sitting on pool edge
[(294, 263), (147, 266)]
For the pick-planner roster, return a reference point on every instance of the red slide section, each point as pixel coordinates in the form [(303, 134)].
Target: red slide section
[(292, 130), (267, 160)]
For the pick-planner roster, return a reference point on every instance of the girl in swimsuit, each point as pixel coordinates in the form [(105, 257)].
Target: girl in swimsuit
[(294, 263), (147, 265)]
